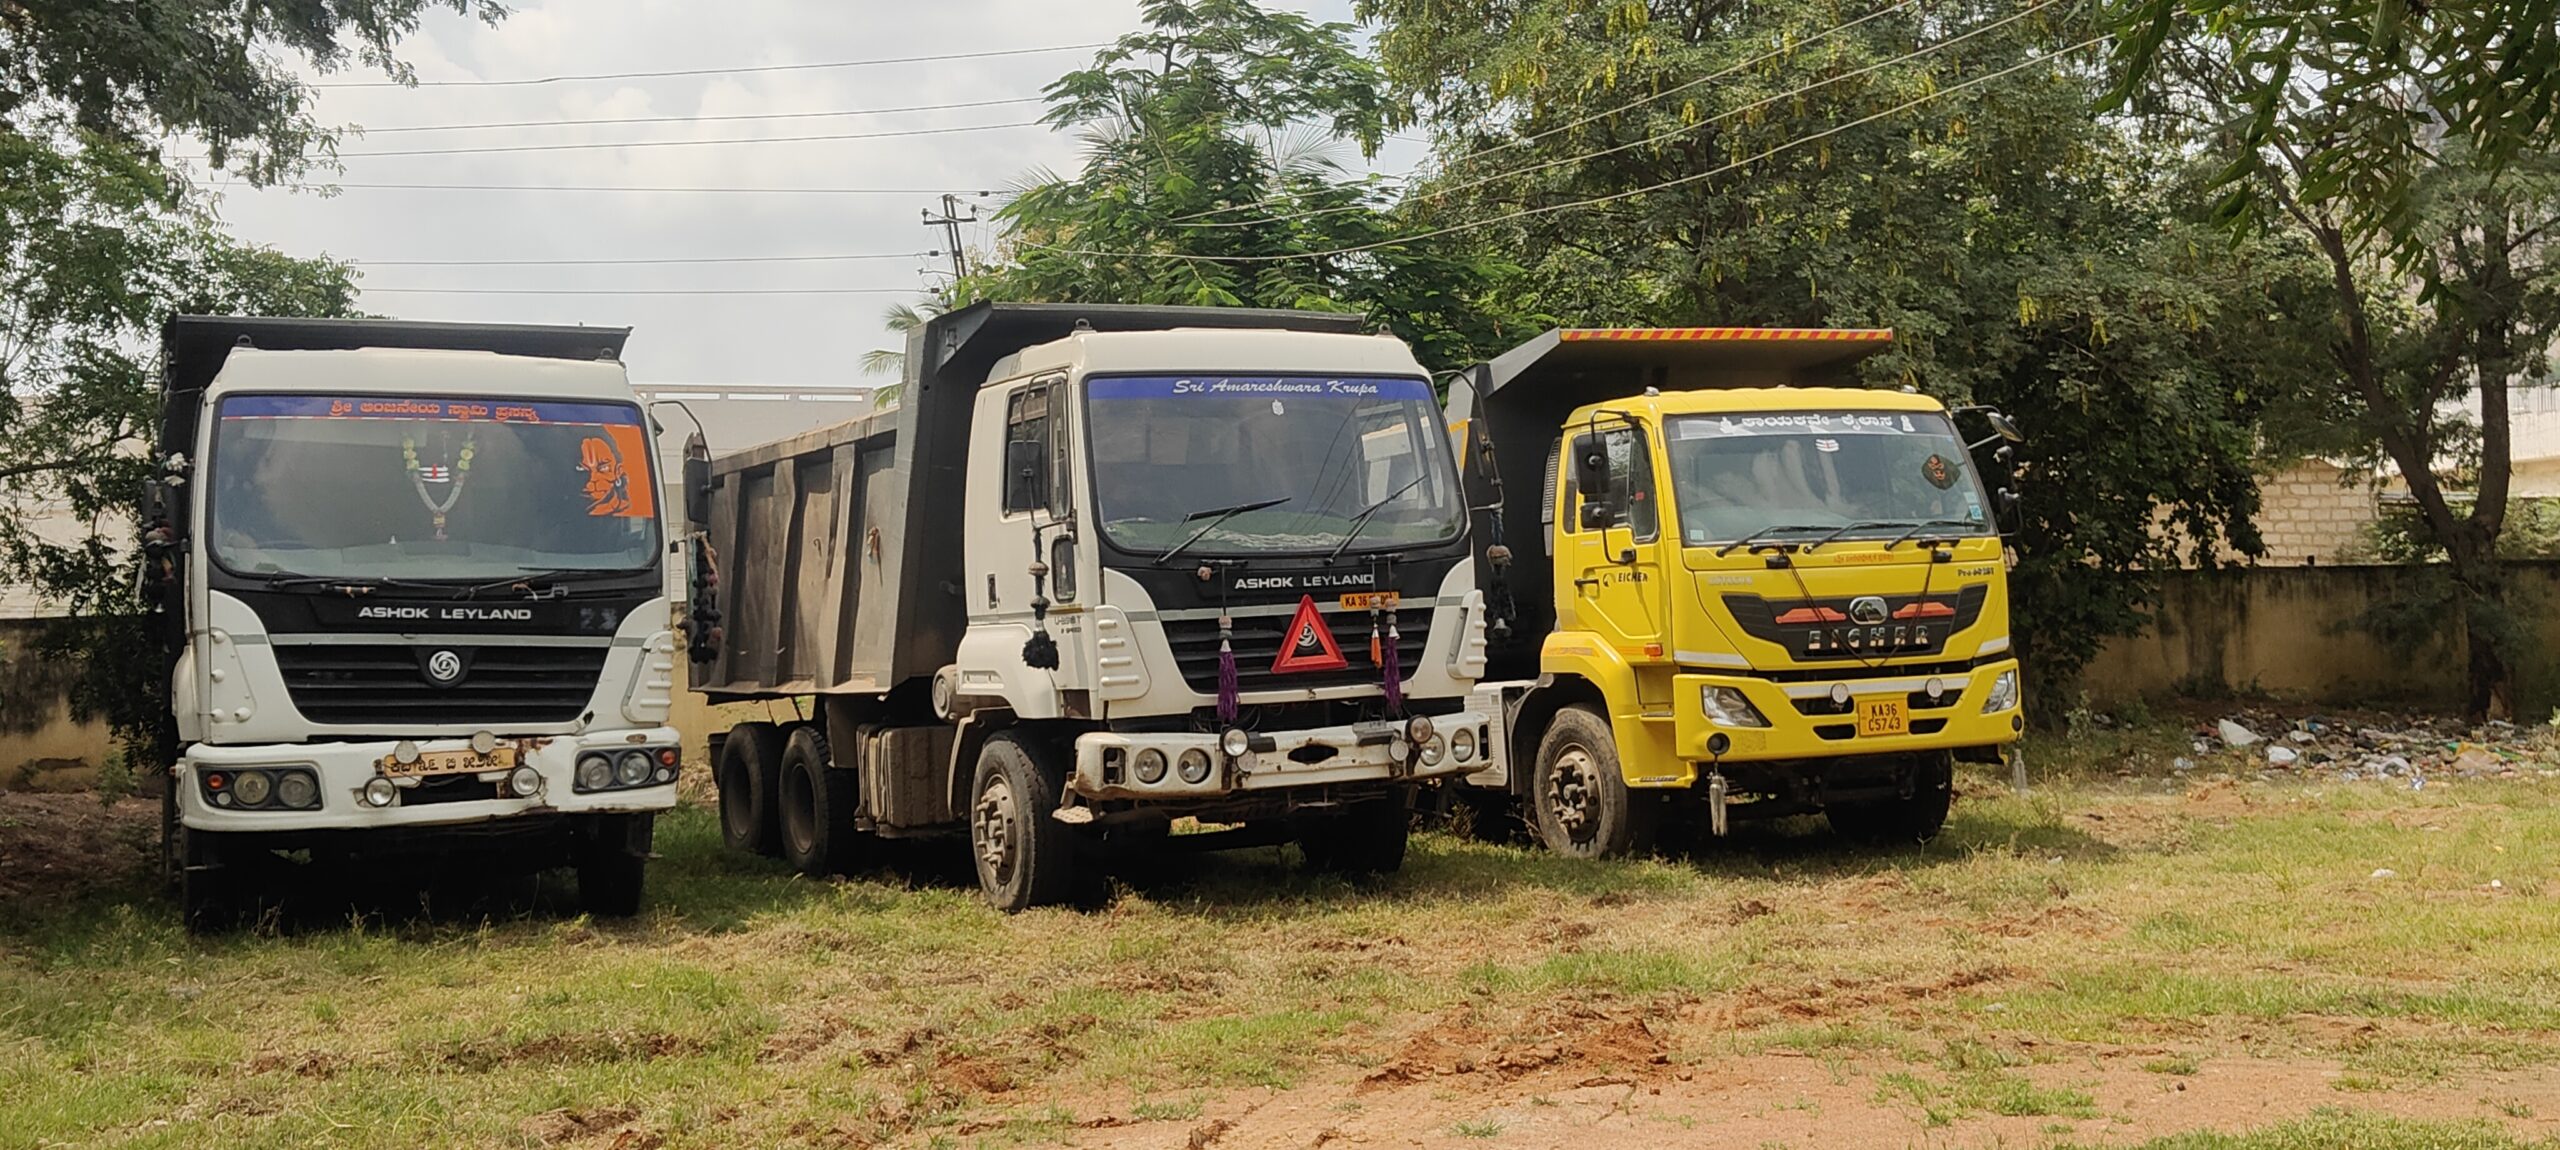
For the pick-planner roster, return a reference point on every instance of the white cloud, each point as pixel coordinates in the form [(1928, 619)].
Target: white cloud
[(801, 340)]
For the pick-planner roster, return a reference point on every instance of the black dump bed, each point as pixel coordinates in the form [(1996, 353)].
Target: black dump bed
[(1511, 410), (841, 548)]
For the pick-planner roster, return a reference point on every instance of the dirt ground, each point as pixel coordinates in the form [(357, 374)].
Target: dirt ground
[(57, 849)]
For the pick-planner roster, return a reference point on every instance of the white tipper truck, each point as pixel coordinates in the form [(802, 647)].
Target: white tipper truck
[(1105, 568), (411, 583)]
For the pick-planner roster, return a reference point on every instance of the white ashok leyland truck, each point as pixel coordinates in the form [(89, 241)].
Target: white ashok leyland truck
[(1107, 567), (409, 577)]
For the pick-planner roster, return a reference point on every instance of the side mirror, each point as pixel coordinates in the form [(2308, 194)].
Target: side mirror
[(1022, 486), (1591, 472), (1598, 515), (1062, 568), (697, 482), (2007, 427)]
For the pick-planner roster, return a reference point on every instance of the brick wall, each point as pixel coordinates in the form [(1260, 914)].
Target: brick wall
[(2314, 513)]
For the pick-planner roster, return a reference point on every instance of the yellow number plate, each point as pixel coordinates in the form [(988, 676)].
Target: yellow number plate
[(450, 763), (1883, 717), (1363, 600)]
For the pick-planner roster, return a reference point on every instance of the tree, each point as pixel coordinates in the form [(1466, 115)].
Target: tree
[(903, 320), (1213, 178), (96, 246), (2411, 146), (135, 72), (1944, 174)]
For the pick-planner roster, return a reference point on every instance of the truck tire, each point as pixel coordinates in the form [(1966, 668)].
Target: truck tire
[(816, 807), (1578, 796), (750, 774), (1901, 822), (1362, 840), (211, 896), (613, 864), (1024, 857)]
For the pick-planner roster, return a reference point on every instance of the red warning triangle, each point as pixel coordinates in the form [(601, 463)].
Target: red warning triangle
[(1308, 645)]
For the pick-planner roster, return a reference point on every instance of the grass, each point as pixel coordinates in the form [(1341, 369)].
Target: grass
[(752, 1007)]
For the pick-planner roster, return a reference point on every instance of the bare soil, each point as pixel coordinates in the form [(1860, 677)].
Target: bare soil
[(56, 849)]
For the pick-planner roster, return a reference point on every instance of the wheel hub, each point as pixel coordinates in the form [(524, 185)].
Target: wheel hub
[(992, 829), (1569, 794)]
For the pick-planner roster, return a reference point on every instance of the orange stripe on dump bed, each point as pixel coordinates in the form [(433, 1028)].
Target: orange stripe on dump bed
[(1729, 334)]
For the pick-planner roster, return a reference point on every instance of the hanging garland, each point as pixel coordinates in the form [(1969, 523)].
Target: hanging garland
[(417, 478)]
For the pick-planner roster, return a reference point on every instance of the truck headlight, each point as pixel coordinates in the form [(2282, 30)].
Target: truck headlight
[(1432, 749), (2004, 693), (380, 792), (633, 768), (595, 772), (297, 790), (1235, 742), (1728, 707), (524, 782), (1151, 766), (1195, 766), (252, 788), (1462, 745)]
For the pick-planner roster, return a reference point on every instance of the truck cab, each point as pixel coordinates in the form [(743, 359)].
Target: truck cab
[(410, 582), (1727, 581)]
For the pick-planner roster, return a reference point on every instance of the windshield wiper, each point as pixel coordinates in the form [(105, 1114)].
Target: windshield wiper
[(348, 582), (534, 575), (1756, 538), (1360, 522), (1215, 516), (1861, 525), (1926, 524)]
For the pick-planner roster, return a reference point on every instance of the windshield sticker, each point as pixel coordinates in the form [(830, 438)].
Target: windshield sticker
[(1799, 422), (435, 410), (608, 485), (1254, 387), (1939, 471), (1826, 446)]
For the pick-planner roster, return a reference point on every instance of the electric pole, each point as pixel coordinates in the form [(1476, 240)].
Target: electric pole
[(949, 221)]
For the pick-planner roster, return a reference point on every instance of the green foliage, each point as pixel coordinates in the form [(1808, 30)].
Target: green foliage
[(2026, 253), (136, 71), (1213, 177), (96, 246)]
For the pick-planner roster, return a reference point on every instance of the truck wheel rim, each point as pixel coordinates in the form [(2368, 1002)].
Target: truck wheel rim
[(1569, 791), (993, 828)]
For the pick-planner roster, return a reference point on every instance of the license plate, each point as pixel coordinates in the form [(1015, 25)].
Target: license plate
[(450, 763), (1363, 600), (1883, 717)]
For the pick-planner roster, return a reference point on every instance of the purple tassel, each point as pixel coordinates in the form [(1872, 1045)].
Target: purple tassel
[(1228, 693), (1395, 670)]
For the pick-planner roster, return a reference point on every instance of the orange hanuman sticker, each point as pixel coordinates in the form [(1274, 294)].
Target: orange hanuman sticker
[(614, 487)]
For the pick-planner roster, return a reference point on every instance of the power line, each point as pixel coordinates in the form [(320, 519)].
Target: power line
[(643, 189), (1659, 137), (643, 260), (1524, 141), (660, 75), (634, 291), (1595, 201), (701, 119), (588, 147)]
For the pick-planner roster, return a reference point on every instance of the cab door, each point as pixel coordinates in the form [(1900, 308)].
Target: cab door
[(1611, 545)]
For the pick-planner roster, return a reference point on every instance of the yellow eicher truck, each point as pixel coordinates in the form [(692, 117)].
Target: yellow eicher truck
[(1723, 582)]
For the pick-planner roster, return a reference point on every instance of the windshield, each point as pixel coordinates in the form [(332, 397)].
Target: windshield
[(384, 487), (1166, 449), (1736, 474)]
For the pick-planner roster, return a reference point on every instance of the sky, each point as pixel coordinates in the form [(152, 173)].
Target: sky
[(800, 340)]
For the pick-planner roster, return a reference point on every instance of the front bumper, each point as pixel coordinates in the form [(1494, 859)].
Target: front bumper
[(1954, 721), (344, 769), (1106, 761)]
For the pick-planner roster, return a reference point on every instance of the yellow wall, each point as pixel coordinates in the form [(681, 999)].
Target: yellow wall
[(2289, 632)]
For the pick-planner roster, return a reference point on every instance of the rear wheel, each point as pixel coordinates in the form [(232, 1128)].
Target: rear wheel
[(1025, 858), (1578, 795), (1366, 838), (817, 804), (1904, 821), (613, 864), (749, 777)]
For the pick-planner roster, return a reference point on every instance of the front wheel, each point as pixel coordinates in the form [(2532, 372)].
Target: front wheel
[(212, 897), (613, 864), (1579, 796), (1364, 839), (1025, 857)]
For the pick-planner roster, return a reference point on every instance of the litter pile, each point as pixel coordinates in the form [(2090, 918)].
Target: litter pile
[(2409, 749)]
